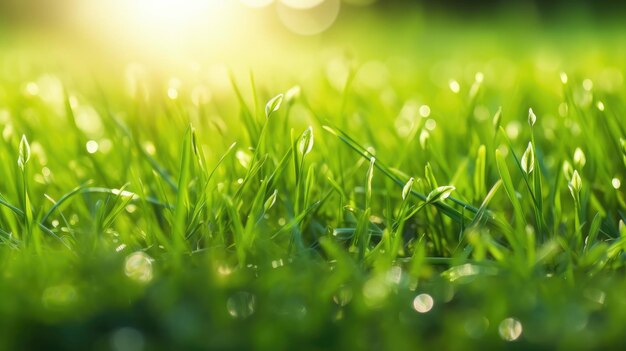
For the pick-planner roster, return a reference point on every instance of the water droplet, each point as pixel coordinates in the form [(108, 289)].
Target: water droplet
[(510, 329), (454, 86), (616, 183), (241, 305), (579, 158), (479, 77), (138, 267), (92, 146), (244, 158), (172, 93), (31, 88), (424, 111), (423, 303)]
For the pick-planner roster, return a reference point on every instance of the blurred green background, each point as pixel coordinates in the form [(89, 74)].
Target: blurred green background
[(265, 34), (135, 74)]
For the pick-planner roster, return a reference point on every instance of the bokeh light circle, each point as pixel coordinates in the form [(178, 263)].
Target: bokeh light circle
[(302, 4), (311, 20), (257, 4)]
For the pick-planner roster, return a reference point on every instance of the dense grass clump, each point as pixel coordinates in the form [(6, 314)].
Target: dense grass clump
[(347, 209)]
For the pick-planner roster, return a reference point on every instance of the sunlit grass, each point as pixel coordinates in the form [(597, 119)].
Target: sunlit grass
[(367, 205)]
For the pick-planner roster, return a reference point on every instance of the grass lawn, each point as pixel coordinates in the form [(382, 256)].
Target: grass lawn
[(431, 190)]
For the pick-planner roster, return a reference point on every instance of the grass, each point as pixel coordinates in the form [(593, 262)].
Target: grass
[(358, 210)]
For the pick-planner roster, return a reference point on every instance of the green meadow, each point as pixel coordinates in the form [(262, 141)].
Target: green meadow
[(454, 187)]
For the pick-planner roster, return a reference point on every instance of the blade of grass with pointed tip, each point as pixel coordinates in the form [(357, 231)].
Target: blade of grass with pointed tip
[(182, 196), (446, 209), (505, 176)]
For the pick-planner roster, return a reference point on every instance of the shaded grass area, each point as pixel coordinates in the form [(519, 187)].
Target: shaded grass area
[(358, 205)]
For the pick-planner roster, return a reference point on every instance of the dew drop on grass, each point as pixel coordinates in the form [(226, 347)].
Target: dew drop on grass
[(424, 111), (616, 183), (579, 158), (423, 303), (172, 93), (510, 329), (479, 77), (92, 146), (587, 84), (600, 106), (563, 77), (244, 158), (454, 86), (241, 305), (31, 88), (138, 267)]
